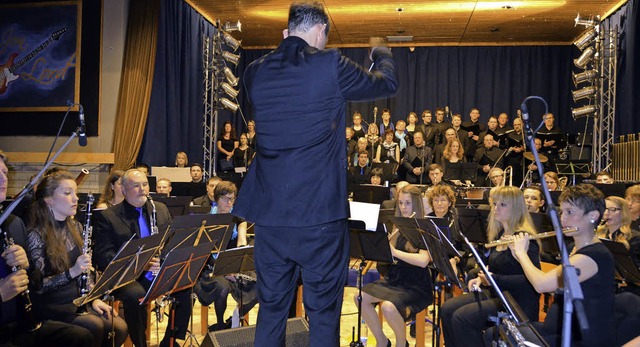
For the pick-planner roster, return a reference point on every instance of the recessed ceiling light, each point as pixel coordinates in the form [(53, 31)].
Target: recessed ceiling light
[(507, 7)]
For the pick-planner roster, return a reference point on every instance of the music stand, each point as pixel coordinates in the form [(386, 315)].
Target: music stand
[(366, 245), (179, 271), (177, 205), (127, 265), (235, 261), (440, 248), (625, 266), (573, 169), (191, 230), (461, 171), (370, 193), (388, 170), (473, 222), (612, 189)]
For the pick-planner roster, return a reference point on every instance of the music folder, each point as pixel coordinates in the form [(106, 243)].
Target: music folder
[(472, 223), (625, 266), (475, 128)]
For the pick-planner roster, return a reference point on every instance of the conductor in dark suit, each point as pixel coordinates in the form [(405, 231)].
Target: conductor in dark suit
[(113, 227), (285, 192)]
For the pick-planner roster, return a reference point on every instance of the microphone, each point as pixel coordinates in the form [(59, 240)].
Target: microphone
[(82, 136), (375, 113), (525, 119)]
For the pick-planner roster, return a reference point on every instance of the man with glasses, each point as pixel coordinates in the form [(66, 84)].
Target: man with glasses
[(428, 129)]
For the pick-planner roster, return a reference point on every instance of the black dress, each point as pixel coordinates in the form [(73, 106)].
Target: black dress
[(598, 304), (407, 287)]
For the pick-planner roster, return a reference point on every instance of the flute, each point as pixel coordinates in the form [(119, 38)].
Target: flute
[(532, 237)]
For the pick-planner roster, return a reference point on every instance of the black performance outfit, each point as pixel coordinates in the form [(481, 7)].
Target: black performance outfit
[(113, 227), (242, 157), (54, 299), (484, 157), (415, 157), (407, 287), (465, 317), (13, 330)]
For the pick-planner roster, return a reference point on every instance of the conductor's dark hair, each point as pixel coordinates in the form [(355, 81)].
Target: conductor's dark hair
[(304, 15)]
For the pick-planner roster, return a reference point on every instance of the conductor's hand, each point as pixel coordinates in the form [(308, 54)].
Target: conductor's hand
[(16, 256), (375, 43), (520, 245), (13, 285), (83, 263), (154, 265)]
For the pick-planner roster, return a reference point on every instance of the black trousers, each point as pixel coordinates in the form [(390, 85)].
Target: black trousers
[(51, 333), (320, 254)]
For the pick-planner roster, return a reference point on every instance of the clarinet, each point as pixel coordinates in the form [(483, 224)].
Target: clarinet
[(86, 249), (153, 222), (29, 318)]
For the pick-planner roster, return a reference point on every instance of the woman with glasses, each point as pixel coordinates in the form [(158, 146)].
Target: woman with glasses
[(216, 289), (632, 195)]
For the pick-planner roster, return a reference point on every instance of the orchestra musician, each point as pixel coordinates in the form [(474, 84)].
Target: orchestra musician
[(55, 247), (405, 288), (464, 317), (632, 195), (582, 206), (617, 227), (116, 225), (13, 330), (486, 158)]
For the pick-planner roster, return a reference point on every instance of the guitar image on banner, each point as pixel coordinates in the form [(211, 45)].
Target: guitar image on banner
[(7, 71)]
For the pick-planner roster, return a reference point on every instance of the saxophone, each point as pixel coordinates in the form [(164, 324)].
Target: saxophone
[(29, 318)]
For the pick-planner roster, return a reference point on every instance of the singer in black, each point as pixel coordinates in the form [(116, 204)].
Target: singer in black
[(113, 227), (55, 248), (13, 328), (465, 317), (552, 139), (417, 159), (487, 157)]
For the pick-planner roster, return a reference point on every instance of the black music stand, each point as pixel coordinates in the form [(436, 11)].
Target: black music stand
[(366, 245), (126, 266), (233, 262), (191, 230), (177, 205), (179, 271), (441, 249), (625, 266), (472, 223), (573, 169), (461, 171), (371, 193)]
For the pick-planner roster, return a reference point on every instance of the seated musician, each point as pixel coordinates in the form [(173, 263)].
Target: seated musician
[(406, 286), (604, 177), (111, 193), (465, 317), (207, 199), (617, 227), (360, 174), (55, 246), (216, 289), (486, 158), (181, 159), (534, 199), (376, 176), (115, 226), (632, 195), (553, 180), (581, 207), (163, 186), (15, 324), (416, 158)]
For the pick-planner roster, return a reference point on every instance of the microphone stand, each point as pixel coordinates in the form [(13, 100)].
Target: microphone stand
[(572, 291), (35, 179)]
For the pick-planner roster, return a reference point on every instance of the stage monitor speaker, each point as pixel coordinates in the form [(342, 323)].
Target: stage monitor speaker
[(297, 335)]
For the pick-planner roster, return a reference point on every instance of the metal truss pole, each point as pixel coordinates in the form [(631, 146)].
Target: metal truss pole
[(604, 122)]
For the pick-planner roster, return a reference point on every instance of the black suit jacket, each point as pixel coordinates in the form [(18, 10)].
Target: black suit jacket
[(202, 200), (304, 90), (115, 225)]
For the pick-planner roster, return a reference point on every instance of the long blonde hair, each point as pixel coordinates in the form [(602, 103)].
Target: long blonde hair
[(625, 228), (519, 220)]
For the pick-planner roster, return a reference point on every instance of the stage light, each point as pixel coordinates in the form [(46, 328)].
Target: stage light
[(585, 39), (231, 78), (230, 41), (231, 58), (584, 111), (229, 90), (584, 58), (586, 92), (233, 27), (229, 105), (586, 22), (585, 76)]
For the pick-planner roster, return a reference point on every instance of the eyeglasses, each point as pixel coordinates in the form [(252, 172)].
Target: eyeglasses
[(613, 209), (227, 199)]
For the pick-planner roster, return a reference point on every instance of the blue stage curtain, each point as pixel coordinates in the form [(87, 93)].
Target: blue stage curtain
[(175, 113)]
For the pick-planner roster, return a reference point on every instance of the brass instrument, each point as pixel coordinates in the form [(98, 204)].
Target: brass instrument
[(30, 320), (86, 245), (507, 171), (532, 237), (562, 182)]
